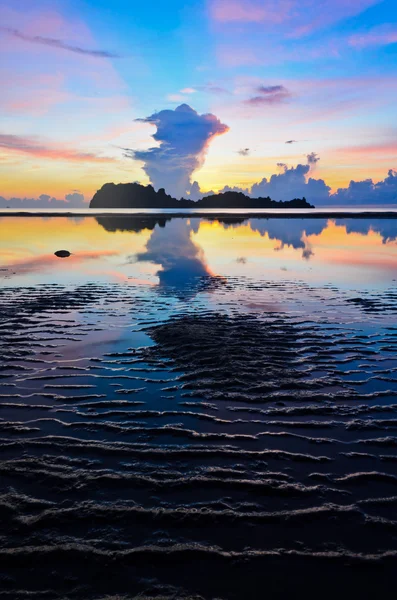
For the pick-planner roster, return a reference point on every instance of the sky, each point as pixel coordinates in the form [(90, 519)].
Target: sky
[(273, 97)]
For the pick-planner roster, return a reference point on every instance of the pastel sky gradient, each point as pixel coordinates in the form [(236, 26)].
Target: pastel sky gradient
[(83, 81)]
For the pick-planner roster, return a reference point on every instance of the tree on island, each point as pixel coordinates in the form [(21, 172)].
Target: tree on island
[(135, 195)]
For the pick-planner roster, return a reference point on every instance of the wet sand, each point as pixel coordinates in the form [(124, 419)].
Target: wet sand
[(228, 451)]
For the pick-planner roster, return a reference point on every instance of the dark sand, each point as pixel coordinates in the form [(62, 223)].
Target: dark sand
[(226, 456)]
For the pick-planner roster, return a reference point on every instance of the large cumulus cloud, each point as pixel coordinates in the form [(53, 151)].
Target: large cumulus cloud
[(368, 192), (296, 182), (184, 137), (292, 182)]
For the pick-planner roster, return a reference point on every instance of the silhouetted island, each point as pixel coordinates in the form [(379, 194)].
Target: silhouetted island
[(134, 195)]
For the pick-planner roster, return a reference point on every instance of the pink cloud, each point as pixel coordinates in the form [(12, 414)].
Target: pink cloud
[(296, 18), (227, 11), (379, 36), (34, 147), (377, 150), (235, 56), (31, 94)]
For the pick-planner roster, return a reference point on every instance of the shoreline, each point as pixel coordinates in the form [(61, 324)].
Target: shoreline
[(202, 213)]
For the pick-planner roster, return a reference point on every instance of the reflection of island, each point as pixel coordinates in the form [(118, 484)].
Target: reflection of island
[(133, 224), (134, 195), (181, 266)]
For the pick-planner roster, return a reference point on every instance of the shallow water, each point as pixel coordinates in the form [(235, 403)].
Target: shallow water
[(197, 406)]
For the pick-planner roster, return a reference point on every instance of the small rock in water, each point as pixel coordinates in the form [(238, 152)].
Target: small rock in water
[(62, 253)]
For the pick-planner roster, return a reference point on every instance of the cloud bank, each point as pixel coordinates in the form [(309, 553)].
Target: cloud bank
[(368, 192), (295, 182), (183, 137), (72, 200)]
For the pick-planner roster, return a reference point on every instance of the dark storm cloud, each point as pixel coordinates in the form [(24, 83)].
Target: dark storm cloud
[(55, 43)]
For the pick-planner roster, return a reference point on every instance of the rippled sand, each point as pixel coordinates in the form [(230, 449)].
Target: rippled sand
[(227, 449)]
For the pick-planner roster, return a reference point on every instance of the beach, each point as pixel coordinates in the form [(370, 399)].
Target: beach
[(198, 408)]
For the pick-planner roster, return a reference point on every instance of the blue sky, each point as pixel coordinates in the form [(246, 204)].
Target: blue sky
[(79, 73)]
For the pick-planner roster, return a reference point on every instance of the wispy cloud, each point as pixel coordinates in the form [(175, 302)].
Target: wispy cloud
[(56, 43), (296, 18), (378, 36), (24, 145), (270, 94), (229, 11), (375, 150), (213, 88)]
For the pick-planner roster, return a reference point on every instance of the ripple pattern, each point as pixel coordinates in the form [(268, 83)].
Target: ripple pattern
[(199, 448)]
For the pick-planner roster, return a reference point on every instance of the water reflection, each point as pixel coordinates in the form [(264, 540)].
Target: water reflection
[(132, 224), (183, 265), (183, 256)]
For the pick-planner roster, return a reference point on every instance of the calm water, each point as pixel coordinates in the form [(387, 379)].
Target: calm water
[(197, 406)]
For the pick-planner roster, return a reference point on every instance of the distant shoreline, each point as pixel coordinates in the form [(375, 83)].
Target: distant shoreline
[(316, 213)]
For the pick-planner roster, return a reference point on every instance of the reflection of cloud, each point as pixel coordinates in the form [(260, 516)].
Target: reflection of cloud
[(387, 228), (296, 232), (290, 232), (45, 261), (55, 43), (184, 137), (183, 264)]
